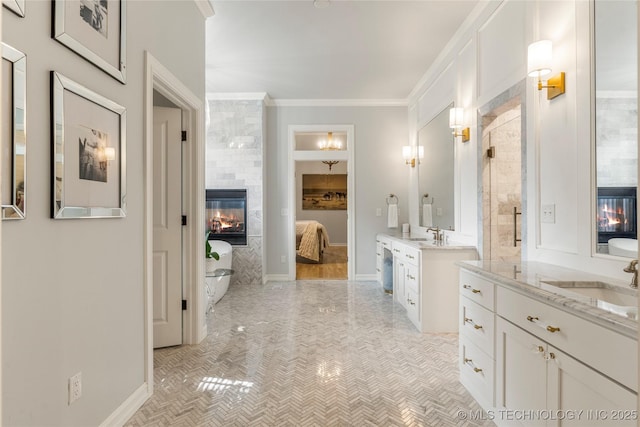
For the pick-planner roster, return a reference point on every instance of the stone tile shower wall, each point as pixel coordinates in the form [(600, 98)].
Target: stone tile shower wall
[(502, 177), (234, 160), (617, 136)]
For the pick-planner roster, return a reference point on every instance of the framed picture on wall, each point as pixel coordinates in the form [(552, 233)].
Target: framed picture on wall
[(14, 141), (89, 152), (324, 192), (95, 30), (16, 6)]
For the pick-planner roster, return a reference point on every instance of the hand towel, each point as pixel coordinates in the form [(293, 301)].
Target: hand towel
[(392, 216), (427, 215)]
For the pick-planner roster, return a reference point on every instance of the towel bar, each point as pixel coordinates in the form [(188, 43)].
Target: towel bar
[(392, 199)]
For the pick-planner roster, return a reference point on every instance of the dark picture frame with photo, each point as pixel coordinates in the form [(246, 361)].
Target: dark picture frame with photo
[(89, 152), (324, 192), (95, 30)]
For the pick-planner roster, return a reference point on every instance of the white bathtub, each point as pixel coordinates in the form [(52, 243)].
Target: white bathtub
[(623, 247), (217, 286)]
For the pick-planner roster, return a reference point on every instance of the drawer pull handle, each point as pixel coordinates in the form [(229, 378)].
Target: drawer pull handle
[(549, 328), (468, 320), (470, 361), (395, 250), (475, 291), (378, 270), (410, 302), (410, 256), (410, 277)]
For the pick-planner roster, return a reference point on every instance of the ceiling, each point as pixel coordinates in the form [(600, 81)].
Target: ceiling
[(348, 50)]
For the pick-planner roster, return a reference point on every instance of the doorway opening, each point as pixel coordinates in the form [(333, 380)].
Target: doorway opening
[(321, 200), (321, 220), (192, 300)]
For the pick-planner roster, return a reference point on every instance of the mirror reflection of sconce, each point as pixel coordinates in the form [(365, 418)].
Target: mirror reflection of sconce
[(539, 56), (107, 154), (410, 153), (456, 122)]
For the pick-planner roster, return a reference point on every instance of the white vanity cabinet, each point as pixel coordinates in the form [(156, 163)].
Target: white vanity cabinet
[(476, 339), (519, 355), (425, 281), (551, 359), (382, 243)]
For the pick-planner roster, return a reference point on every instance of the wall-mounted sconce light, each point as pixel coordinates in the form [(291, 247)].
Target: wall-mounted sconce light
[(410, 153), (539, 56), (456, 122)]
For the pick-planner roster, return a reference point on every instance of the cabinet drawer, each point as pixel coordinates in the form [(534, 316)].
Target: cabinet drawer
[(412, 255), (412, 278), (476, 372), (478, 325), (603, 349), (477, 289)]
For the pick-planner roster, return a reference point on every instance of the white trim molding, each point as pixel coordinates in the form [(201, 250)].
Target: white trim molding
[(159, 78), (128, 408), (205, 7), (238, 96), (366, 278), (338, 103), (347, 155), (275, 278)]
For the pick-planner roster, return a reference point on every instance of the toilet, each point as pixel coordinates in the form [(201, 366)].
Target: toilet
[(217, 285)]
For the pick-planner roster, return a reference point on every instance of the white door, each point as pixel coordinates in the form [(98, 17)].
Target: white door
[(167, 227)]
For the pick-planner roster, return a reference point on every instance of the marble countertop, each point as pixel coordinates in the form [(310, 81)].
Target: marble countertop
[(427, 243), (531, 279)]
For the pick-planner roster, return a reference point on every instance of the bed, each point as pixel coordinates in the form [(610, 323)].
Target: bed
[(311, 240)]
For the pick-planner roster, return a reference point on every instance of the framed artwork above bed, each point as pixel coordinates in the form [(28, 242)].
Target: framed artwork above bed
[(324, 192)]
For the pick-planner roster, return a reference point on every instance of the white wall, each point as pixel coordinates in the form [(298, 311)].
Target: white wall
[(486, 58), (73, 290), (334, 221), (380, 133)]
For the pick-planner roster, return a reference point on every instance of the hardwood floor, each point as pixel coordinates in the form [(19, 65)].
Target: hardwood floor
[(333, 265)]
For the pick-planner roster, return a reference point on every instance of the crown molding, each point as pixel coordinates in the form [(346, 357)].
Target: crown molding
[(238, 96), (205, 7), (338, 103)]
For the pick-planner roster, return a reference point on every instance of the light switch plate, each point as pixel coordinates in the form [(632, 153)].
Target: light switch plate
[(548, 214)]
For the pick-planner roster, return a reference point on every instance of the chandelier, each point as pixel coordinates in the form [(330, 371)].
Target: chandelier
[(330, 143)]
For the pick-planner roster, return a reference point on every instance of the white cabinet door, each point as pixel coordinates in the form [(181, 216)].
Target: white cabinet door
[(585, 395), (399, 278), (521, 372)]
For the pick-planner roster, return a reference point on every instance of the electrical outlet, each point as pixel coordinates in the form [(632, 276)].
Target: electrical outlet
[(378, 211), (75, 387), (283, 259), (438, 211), (548, 214)]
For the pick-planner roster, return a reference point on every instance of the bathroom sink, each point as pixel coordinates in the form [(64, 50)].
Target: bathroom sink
[(600, 291)]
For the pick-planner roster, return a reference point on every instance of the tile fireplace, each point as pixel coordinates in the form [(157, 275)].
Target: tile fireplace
[(225, 215)]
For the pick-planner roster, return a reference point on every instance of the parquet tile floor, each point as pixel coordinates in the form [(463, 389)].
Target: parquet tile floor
[(309, 353)]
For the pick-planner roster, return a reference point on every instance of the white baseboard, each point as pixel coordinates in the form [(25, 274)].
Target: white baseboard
[(129, 407), (367, 277), (275, 278)]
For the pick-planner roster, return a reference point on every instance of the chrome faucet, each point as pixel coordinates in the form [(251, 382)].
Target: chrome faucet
[(633, 268), (437, 235)]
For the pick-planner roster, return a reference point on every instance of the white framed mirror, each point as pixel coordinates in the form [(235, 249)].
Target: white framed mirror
[(14, 141), (615, 128), (436, 173)]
